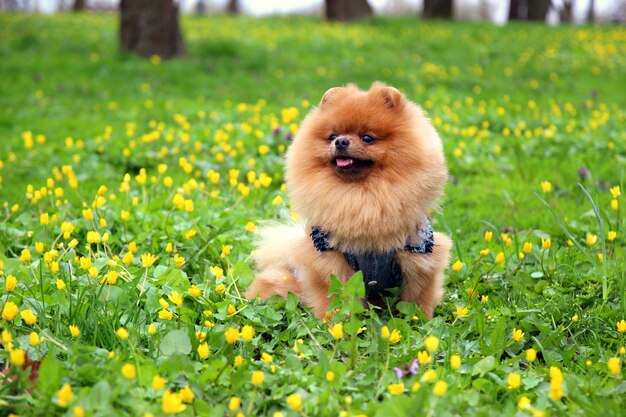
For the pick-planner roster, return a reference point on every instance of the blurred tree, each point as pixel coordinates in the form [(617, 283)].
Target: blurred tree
[(232, 7), (536, 10), (565, 12), (437, 9), (591, 12), (346, 10), (79, 5), (150, 27)]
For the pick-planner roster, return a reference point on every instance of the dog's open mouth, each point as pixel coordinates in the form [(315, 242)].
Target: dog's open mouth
[(345, 164)]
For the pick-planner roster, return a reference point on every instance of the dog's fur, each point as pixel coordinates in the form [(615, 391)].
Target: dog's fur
[(376, 208)]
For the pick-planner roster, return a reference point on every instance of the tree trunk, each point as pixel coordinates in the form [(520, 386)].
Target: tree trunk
[(565, 13), (538, 9), (535, 10), (79, 5), (150, 27), (232, 7), (514, 10), (437, 9), (591, 13), (347, 10)]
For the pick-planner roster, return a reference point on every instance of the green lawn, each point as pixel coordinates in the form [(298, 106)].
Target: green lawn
[(105, 157)]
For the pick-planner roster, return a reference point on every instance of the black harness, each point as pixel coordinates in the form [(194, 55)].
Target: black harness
[(381, 270)]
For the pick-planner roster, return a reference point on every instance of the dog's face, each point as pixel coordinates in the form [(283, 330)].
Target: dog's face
[(365, 162), (355, 133)]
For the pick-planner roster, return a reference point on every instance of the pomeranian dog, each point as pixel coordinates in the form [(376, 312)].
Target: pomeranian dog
[(364, 173)]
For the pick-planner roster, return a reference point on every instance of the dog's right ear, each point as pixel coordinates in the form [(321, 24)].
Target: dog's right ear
[(334, 94), (330, 96)]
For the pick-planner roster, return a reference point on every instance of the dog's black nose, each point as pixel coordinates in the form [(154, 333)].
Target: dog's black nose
[(342, 144)]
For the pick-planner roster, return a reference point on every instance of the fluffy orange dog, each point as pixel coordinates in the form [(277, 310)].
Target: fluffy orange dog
[(364, 171)]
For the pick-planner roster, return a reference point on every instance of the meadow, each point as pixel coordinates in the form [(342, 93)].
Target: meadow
[(131, 189)]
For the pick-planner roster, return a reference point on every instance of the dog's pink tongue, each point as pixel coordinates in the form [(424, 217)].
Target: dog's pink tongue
[(342, 163)]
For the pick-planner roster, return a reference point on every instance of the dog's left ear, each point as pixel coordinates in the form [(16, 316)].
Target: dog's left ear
[(392, 98)]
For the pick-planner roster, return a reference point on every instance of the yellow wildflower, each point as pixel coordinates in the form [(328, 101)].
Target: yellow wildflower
[(203, 350), (158, 382), (461, 311), (147, 260), (17, 357), (175, 298), (545, 243), (295, 402), (64, 395), (395, 389), (440, 388), (517, 335), (615, 366), (171, 403), (336, 331), (457, 266), (28, 316), (129, 371), (247, 333), (122, 333), (9, 311), (10, 283), (431, 343), (231, 335), (514, 380), (455, 361), (423, 357), (234, 404), (258, 377)]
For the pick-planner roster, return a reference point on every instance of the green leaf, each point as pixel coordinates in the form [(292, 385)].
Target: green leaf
[(171, 276), (483, 366), (99, 396), (49, 374), (176, 341)]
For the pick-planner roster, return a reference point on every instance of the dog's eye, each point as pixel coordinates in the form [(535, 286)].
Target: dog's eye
[(367, 139), (332, 137)]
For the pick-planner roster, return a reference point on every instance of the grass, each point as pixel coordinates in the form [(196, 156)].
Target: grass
[(106, 158)]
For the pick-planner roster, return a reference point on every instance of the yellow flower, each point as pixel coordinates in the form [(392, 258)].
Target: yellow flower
[(258, 377), (54, 267), (247, 333), (74, 330), (416, 386), (186, 394), (611, 236), (500, 257), (545, 243), (34, 339), (575, 318), (203, 350), (17, 357), (295, 402), (231, 310), (78, 411), (165, 314), (384, 332), (484, 252), (457, 266), (517, 335), (163, 303), (556, 381), (147, 259), (455, 361), (546, 186), (220, 288), (158, 382), (395, 389), (39, 247), (423, 357), (111, 277), (523, 403), (25, 256), (64, 395), (194, 291), (591, 239), (238, 360), (429, 376), (151, 329), (190, 234), (330, 376), (514, 380), (615, 366), (28, 316), (129, 371), (171, 403), (336, 331), (10, 282), (488, 235), (128, 258), (10, 310), (122, 333), (615, 191), (461, 311), (125, 215), (527, 247), (440, 388), (531, 355), (431, 343), (621, 326), (615, 204), (234, 404), (250, 227), (266, 357), (60, 284), (231, 335), (44, 219), (175, 298), (225, 250), (394, 337), (216, 271), (179, 261)]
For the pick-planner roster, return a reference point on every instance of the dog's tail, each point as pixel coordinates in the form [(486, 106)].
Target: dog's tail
[(273, 255)]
